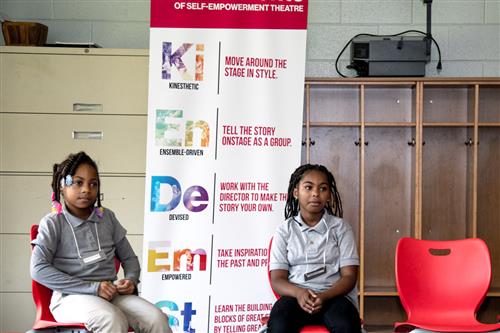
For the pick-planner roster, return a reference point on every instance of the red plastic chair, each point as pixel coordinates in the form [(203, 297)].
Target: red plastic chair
[(441, 284), (42, 295)]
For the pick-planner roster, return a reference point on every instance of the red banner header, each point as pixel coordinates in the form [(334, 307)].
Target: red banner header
[(233, 14)]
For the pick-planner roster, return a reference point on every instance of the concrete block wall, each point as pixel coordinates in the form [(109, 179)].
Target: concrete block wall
[(468, 31)]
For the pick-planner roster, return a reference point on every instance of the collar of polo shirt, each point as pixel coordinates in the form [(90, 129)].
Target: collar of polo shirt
[(76, 221)]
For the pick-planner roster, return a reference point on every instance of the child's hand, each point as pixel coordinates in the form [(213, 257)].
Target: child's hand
[(306, 300), (125, 287), (107, 290), (318, 301)]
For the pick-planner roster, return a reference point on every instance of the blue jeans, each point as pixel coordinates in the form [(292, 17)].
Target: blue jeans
[(338, 314)]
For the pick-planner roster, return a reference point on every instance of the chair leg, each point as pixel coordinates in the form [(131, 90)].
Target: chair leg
[(60, 330)]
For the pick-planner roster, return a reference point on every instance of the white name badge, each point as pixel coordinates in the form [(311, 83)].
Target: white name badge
[(93, 258), (313, 274)]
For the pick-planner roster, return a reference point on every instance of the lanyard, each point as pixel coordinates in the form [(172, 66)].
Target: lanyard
[(76, 242), (306, 242)]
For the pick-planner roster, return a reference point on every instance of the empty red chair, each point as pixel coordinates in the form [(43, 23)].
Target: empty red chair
[(441, 284)]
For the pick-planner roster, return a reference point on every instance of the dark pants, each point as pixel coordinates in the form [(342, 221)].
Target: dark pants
[(338, 314)]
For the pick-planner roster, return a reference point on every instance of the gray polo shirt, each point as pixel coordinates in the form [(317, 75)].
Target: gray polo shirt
[(299, 248), (55, 262)]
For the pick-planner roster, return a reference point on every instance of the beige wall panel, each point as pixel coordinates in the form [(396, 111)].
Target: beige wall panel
[(32, 143), (17, 312), (52, 83), (19, 193), (123, 195), (14, 263)]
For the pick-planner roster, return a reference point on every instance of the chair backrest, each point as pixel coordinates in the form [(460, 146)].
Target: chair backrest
[(268, 271), (41, 294), (445, 279)]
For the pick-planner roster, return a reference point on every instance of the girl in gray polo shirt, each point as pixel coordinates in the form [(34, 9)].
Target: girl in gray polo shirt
[(74, 255), (314, 260)]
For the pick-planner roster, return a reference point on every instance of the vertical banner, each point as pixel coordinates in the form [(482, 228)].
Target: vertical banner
[(226, 80)]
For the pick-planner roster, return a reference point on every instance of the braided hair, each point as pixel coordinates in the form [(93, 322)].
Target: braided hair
[(68, 167), (334, 207)]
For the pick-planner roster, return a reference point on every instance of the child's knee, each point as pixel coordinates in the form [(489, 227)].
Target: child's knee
[(159, 320), (108, 320), (345, 325)]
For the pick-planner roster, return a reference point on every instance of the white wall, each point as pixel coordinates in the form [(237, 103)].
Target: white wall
[(468, 31)]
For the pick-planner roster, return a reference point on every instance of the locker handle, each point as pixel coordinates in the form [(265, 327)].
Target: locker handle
[(87, 107), (87, 135)]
